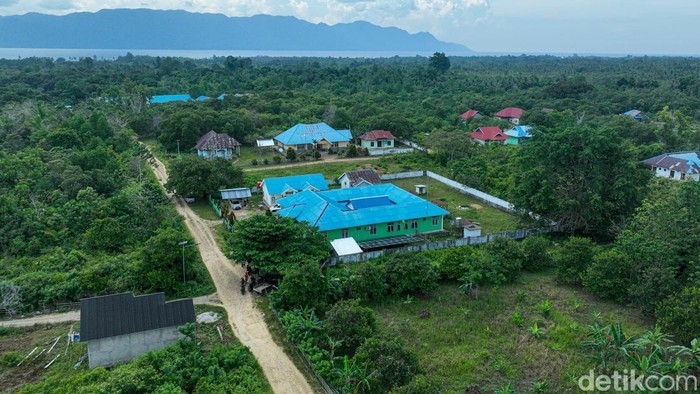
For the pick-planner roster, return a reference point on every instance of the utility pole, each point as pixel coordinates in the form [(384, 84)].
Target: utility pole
[(178, 148), (184, 244)]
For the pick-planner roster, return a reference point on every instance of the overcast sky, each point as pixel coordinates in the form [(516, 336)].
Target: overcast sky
[(550, 26)]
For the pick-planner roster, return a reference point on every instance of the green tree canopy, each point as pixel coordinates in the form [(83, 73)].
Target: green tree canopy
[(275, 244), (192, 175), (585, 178)]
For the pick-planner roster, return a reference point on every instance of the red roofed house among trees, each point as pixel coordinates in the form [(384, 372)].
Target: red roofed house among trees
[(488, 134), (472, 113), (213, 144), (510, 114), (377, 139)]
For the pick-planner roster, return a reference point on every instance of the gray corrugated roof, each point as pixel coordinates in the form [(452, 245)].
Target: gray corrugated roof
[(121, 314), (235, 194)]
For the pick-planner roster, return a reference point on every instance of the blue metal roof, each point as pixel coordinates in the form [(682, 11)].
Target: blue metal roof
[(169, 98), (519, 132), (222, 96), (202, 98), (310, 133), (355, 207), (297, 182), (634, 113)]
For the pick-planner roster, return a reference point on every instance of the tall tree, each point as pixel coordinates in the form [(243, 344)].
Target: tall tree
[(587, 179), (275, 244), (196, 176)]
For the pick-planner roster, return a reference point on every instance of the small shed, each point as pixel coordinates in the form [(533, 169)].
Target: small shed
[(241, 194), (469, 228), (345, 246), (421, 189), (121, 327)]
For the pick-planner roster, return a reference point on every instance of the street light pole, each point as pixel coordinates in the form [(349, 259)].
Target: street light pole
[(183, 244), (178, 148)]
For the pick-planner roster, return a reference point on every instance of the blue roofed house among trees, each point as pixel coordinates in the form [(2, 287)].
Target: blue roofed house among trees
[(364, 213), (169, 98), (635, 114), (517, 135), (307, 137), (277, 188)]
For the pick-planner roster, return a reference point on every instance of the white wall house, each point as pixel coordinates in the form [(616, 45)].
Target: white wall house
[(679, 166)]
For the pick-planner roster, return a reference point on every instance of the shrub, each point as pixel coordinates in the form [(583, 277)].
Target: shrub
[(388, 363), (505, 258), (536, 253), (410, 272), (351, 151), (573, 259), (610, 275), (452, 262), (350, 323), (420, 384), (367, 281), (291, 154), (254, 162), (301, 287), (277, 159), (678, 314)]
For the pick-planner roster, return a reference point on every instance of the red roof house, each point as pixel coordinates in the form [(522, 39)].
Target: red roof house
[(510, 114), (377, 139), (486, 134), (472, 113)]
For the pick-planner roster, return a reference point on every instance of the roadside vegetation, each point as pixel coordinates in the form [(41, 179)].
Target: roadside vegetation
[(202, 362)]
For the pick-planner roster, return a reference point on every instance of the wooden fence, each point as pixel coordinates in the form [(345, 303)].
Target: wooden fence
[(450, 243)]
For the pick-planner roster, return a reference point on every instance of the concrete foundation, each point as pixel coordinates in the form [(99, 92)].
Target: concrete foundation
[(122, 348)]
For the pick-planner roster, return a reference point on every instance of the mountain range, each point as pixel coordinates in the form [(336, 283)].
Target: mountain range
[(182, 30)]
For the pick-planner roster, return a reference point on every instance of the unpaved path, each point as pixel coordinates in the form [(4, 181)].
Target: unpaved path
[(72, 316), (246, 320), (313, 163)]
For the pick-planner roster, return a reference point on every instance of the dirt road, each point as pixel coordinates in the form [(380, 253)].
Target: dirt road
[(246, 320), (312, 163)]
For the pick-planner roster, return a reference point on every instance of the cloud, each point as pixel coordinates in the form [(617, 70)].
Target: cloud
[(57, 4), (7, 3)]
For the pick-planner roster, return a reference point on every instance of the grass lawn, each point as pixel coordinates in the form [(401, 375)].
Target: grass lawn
[(492, 220), (474, 341), (202, 208), (328, 168), (248, 153)]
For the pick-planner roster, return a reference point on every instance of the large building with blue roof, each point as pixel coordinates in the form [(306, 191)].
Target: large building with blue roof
[(169, 98), (306, 137), (365, 213), (275, 188)]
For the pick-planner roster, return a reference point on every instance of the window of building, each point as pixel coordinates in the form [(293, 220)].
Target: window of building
[(371, 143), (390, 227), (405, 225), (673, 174), (372, 229), (414, 224), (344, 233), (435, 220)]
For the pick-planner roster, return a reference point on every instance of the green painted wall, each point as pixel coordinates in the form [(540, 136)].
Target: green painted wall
[(384, 144), (424, 226)]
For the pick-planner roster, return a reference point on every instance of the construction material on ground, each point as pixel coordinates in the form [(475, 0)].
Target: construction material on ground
[(219, 331), (40, 353), (54, 344), (208, 317), (28, 355), (80, 361), (52, 361)]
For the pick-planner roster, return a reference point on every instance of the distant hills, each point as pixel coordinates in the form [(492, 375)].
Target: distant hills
[(161, 29)]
